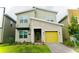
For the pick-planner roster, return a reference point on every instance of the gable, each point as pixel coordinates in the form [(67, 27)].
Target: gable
[(28, 13), (42, 14), (39, 13)]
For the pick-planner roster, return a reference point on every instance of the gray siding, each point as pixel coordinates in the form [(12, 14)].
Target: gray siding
[(0, 35), (8, 30), (41, 14), (65, 32), (29, 14), (37, 13)]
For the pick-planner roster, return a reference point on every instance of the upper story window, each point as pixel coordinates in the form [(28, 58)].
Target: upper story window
[(23, 19), (49, 18)]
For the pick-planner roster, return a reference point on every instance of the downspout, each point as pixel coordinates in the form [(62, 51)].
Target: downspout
[(35, 14), (3, 24)]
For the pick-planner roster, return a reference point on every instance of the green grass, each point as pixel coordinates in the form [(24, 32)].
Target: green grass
[(23, 48)]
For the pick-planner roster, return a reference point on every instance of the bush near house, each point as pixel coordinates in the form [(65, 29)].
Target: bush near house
[(9, 40), (73, 29), (69, 43)]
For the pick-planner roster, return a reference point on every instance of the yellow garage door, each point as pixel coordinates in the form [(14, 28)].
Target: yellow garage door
[(51, 37)]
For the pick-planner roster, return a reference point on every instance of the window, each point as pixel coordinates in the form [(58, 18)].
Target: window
[(48, 18), (11, 23), (22, 34), (25, 34), (23, 19)]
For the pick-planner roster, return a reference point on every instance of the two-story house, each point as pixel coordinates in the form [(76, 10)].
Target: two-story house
[(38, 25), (7, 27)]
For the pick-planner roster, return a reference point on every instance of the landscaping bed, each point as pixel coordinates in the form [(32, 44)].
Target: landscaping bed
[(71, 45), (24, 48)]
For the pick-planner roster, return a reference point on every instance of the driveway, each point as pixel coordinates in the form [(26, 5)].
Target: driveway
[(59, 48)]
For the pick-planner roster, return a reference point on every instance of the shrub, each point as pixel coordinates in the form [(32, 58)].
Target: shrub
[(11, 40), (73, 30), (20, 43), (77, 36), (69, 43)]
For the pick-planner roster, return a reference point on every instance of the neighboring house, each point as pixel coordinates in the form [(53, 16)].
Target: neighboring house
[(7, 29), (64, 21), (38, 25), (73, 12)]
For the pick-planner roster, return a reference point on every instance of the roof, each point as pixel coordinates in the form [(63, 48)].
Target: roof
[(36, 8), (24, 11), (10, 17), (45, 9), (63, 19), (46, 21)]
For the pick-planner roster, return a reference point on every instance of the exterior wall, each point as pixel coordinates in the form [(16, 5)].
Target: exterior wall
[(29, 14), (34, 13), (41, 14), (8, 30), (64, 29), (25, 25), (17, 39), (35, 24), (73, 12), (0, 35)]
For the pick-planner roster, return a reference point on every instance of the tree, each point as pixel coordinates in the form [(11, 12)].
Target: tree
[(73, 29)]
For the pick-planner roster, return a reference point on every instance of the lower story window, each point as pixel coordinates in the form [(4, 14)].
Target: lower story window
[(22, 34)]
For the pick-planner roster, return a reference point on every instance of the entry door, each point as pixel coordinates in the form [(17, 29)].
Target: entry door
[(51, 37), (37, 35)]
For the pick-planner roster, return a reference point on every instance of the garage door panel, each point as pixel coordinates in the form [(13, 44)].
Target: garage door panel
[(51, 37)]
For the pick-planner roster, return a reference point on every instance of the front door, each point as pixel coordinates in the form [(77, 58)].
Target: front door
[(37, 35)]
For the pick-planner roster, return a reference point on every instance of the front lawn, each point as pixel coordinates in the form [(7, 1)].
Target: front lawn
[(23, 48)]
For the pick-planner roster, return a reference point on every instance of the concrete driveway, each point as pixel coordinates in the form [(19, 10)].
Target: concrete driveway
[(59, 48)]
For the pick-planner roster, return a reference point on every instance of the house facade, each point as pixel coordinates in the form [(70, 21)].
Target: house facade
[(38, 25), (7, 27), (65, 33), (7, 31), (73, 12)]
